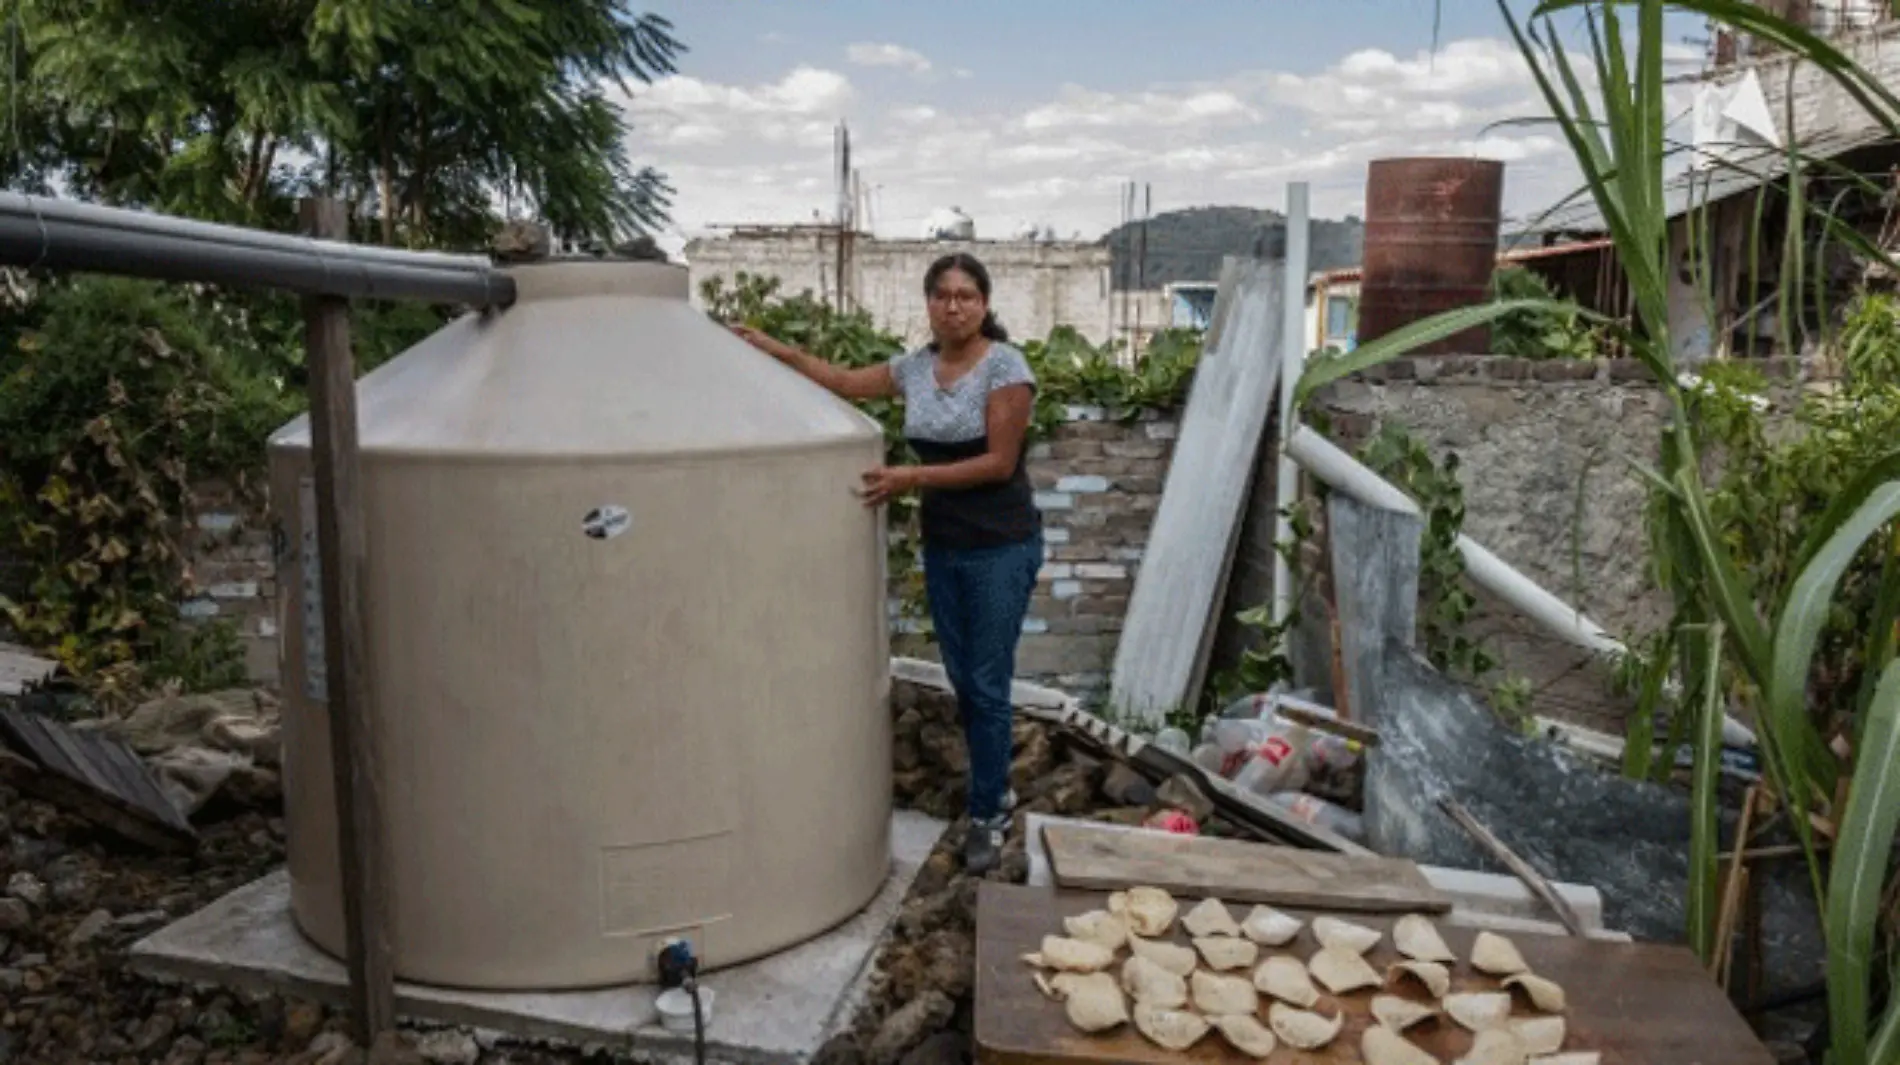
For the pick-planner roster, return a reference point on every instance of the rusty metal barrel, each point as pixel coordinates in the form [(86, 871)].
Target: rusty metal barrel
[(1431, 245)]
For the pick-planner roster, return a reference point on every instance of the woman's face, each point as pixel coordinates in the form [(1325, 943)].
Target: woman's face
[(957, 307)]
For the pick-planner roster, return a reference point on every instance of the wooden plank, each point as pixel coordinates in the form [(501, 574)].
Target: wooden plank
[(1179, 588), (1082, 856), (342, 547), (1635, 1004), (1523, 870)]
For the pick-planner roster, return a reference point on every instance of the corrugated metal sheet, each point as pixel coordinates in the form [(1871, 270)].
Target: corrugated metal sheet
[(1182, 576), (1733, 177), (95, 776)]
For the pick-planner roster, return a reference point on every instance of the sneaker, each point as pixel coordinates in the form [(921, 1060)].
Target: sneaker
[(983, 849), (1009, 802)]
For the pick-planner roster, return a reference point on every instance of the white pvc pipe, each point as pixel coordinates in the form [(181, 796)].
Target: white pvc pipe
[(1293, 362), (1325, 460)]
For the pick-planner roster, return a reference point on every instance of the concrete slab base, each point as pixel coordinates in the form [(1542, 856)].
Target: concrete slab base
[(775, 1011)]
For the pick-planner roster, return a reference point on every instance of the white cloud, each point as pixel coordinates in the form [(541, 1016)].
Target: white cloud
[(762, 151), (866, 54), (1077, 106)]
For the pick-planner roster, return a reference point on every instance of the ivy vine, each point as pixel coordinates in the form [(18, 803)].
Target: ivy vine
[(117, 398)]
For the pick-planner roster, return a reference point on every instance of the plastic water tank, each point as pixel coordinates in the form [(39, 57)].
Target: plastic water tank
[(949, 224), (627, 643)]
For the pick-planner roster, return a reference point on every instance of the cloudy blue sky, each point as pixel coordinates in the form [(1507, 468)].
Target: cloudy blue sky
[(1035, 111)]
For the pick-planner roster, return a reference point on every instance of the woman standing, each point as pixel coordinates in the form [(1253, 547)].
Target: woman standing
[(968, 396)]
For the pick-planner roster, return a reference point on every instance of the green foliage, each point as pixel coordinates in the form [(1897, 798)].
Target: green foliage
[(113, 398), (1445, 604), (421, 116), (1069, 372), (1266, 662), (1555, 329)]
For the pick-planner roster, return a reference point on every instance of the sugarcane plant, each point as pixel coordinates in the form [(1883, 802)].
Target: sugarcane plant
[(1734, 643)]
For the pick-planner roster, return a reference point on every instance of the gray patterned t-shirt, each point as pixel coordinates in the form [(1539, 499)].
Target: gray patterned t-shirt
[(949, 424)]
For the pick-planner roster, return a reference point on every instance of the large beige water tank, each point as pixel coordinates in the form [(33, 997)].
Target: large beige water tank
[(626, 643)]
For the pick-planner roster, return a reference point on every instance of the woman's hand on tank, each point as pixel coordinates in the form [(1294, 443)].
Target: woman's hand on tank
[(886, 483), (759, 340)]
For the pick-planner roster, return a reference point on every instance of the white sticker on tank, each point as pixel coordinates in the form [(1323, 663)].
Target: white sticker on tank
[(606, 522), (315, 685)]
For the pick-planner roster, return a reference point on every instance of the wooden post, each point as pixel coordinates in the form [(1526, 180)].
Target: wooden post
[(341, 546)]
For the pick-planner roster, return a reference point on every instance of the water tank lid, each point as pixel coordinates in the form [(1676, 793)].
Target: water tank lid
[(595, 359)]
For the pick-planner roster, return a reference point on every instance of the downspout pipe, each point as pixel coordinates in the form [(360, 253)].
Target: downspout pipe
[(1325, 460), (139, 244)]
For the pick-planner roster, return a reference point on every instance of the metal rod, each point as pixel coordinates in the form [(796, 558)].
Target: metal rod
[(155, 224), (1293, 356), (305, 267)]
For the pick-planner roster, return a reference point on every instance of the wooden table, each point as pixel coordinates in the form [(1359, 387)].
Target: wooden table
[(1636, 1004)]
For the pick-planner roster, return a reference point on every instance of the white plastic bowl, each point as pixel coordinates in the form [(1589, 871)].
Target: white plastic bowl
[(676, 1009)]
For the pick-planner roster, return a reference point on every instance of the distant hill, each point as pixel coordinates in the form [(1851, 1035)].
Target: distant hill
[(1188, 245)]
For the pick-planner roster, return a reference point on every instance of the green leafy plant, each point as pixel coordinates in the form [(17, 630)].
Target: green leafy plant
[(1446, 605), (1556, 330), (113, 398), (1265, 662), (1737, 640)]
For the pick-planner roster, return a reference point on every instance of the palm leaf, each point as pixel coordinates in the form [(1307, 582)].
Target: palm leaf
[(1798, 631), (1860, 861)]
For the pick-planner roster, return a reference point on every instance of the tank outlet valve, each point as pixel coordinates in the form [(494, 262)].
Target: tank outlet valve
[(678, 966)]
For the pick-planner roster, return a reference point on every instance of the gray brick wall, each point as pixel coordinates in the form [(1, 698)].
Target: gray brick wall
[(1098, 483), (231, 575)]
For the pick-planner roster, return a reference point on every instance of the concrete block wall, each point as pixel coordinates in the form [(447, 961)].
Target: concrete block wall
[(231, 574), (1098, 482)]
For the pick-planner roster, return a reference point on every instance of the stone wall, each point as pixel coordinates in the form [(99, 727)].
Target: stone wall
[(1098, 483), (1542, 449), (231, 574)]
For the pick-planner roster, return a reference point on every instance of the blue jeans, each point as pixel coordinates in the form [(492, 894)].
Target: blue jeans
[(978, 599)]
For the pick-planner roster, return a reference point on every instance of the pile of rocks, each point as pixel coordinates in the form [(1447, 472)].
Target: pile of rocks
[(72, 899)]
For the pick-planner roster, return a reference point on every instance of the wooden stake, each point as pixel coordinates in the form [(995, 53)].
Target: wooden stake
[(342, 546), (1732, 889), (1536, 881)]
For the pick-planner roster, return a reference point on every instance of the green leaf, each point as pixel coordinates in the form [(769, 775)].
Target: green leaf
[(1862, 852), (1729, 590), (1798, 630), (1705, 842)]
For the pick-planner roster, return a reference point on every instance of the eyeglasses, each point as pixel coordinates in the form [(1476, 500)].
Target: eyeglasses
[(962, 297)]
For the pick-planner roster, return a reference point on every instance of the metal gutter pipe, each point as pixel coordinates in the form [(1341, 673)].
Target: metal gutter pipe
[(153, 223), (1325, 460), (139, 244)]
